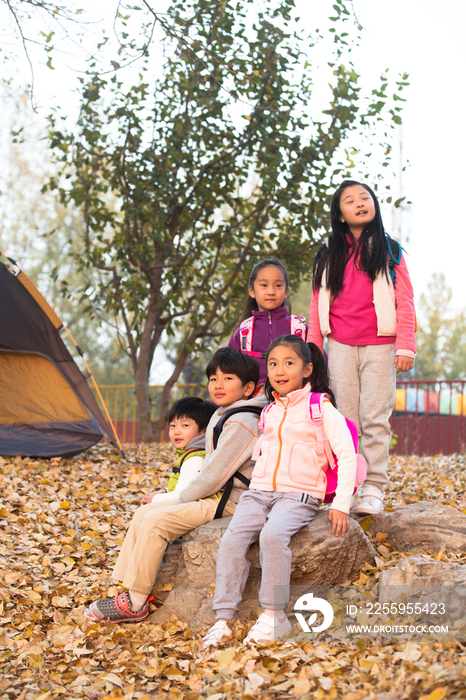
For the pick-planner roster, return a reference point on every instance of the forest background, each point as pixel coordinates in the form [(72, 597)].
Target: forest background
[(255, 116)]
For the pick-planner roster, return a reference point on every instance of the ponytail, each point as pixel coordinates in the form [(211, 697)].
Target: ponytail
[(319, 377), (308, 353)]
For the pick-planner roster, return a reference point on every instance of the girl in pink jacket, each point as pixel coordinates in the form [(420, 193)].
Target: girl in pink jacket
[(369, 323), (287, 487)]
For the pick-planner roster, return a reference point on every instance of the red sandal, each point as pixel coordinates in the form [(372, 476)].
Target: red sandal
[(117, 609)]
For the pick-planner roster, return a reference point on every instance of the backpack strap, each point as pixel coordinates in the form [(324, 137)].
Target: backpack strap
[(264, 412), (316, 401), (257, 410), (227, 493), (177, 469), (394, 251), (246, 332), (215, 438), (298, 326)]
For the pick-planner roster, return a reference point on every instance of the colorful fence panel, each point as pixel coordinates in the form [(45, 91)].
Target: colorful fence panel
[(430, 417)]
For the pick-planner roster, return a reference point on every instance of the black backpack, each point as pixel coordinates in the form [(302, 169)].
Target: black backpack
[(216, 434), (394, 250)]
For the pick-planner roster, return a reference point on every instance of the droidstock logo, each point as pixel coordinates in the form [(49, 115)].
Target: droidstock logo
[(308, 603)]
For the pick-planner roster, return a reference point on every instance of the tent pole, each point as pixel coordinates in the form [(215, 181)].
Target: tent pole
[(80, 352)]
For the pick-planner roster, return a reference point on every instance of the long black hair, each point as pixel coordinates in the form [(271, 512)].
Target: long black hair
[(333, 258), (307, 352), (251, 304)]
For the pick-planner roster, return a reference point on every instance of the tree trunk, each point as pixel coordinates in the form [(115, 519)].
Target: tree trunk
[(159, 424), (146, 433)]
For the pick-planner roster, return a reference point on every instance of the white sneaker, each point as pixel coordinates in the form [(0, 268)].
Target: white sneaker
[(268, 629), (216, 634), (370, 505), (354, 502)]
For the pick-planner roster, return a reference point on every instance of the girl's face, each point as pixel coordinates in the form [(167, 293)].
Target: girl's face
[(269, 288), (357, 208), (286, 370)]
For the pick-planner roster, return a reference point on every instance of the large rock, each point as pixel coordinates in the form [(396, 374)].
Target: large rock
[(423, 571), (437, 588), (423, 527), (319, 558)]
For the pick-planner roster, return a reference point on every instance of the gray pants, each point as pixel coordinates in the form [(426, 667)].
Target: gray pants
[(272, 518), (363, 380)]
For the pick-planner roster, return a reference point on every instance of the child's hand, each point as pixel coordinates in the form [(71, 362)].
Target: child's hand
[(403, 363), (340, 522), (149, 496)]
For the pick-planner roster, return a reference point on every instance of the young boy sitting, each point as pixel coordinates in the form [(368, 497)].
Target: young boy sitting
[(187, 423), (232, 380)]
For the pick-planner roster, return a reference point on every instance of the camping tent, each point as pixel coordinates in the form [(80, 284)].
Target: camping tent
[(46, 407)]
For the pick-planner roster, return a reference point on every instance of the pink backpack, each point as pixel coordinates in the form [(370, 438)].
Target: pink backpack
[(315, 407), (297, 327)]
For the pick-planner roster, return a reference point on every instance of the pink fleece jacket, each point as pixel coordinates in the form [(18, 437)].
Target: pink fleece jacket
[(394, 308), (286, 453)]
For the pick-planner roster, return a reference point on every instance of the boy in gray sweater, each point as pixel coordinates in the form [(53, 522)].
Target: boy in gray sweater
[(232, 380)]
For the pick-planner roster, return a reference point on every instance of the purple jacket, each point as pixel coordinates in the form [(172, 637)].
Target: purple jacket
[(267, 327)]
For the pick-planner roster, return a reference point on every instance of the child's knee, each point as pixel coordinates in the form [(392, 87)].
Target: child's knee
[(139, 514), (272, 537), (144, 515), (229, 541)]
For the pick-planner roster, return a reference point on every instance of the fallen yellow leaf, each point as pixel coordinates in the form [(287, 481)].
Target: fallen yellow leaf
[(437, 694), (61, 601), (226, 657), (301, 688), (382, 536), (366, 523), (172, 671)]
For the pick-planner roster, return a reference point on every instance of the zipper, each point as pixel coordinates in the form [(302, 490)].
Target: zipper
[(274, 480), (270, 328)]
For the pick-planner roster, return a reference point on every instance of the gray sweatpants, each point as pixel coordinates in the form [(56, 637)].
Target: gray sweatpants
[(272, 518), (363, 380)]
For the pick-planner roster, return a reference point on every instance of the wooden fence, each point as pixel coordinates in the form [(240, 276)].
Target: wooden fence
[(120, 400)]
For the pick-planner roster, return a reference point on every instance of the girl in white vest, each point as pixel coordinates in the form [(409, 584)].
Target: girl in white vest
[(362, 302)]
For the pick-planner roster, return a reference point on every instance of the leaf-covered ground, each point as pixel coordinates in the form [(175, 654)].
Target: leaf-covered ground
[(62, 522)]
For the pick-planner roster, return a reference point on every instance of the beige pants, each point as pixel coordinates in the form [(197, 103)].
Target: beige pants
[(363, 380), (150, 530)]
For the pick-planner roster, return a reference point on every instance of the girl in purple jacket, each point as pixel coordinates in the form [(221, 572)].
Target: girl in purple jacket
[(266, 314)]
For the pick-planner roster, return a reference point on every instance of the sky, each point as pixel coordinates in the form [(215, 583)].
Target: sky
[(424, 38)]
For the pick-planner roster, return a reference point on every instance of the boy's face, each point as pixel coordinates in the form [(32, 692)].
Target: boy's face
[(225, 389), (182, 430)]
